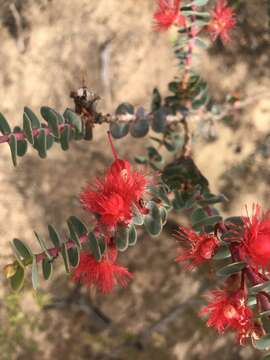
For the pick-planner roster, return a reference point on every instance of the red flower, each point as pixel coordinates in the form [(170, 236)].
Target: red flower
[(202, 247), (229, 311), (255, 243), (167, 14), (111, 198), (104, 274), (223, 20)]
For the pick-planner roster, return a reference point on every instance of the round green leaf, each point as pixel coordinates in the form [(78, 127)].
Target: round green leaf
[(78, 225), (223, 252), (74, 256), (16, 281), (35, 281), (231, 268), (132, 235), (139, 128), (260, 287), (152, 220), (47, 268), (54, 236), (164, 215), (27, 128), (119, 130), (64, 253), (41, 143), (263, 343), (137, 217), (21, 147), (124, 108), (122, 237), (94, 246), (65, 137), (23, 249), (74, 119), (13, 148), (32, 117), (4, 126), (159, 123)]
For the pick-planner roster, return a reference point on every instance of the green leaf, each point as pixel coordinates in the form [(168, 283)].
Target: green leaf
[(231, 268), (132, 235), (17, 254), (65, 137), (78, 225), (13, 148), (32, 117), (17, 280), (235, 220), (43, 245), (208, 221), (263, 343), (153, 154), (27, 128), (35, 281), (200, 2), (41, 143), (47, 268), (200, 43), (54, 236), (52, 119), (159, 123), (121, 237), (152, 220), (73, 235), (74, 119), (139, 128), (263, 314), (260, 287), (137, 217), (156, 100), (163, 215), (195, 13), (197, 216), (251, 301), (23, 249), (49, 141), (124, 108), (161, 194), (21, 147), (223, 252), (94, 246), (141, 160), (74, 256), (64, 253), (215, 199), (267, 357), (4, 126), (119, 130)]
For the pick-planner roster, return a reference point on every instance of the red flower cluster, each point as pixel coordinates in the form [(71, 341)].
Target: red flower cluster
[(112, 197), (104, 274), (228, 311), (202, 247), (255, 244), (223, 20), (167, 14)]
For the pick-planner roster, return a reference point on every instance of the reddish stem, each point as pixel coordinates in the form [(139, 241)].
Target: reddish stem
[(56, 250), (22, 136)]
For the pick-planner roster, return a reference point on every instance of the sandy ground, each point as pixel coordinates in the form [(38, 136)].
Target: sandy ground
[(112, 43)]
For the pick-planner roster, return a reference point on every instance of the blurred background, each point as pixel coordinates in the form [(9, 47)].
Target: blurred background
[(46, 48)]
